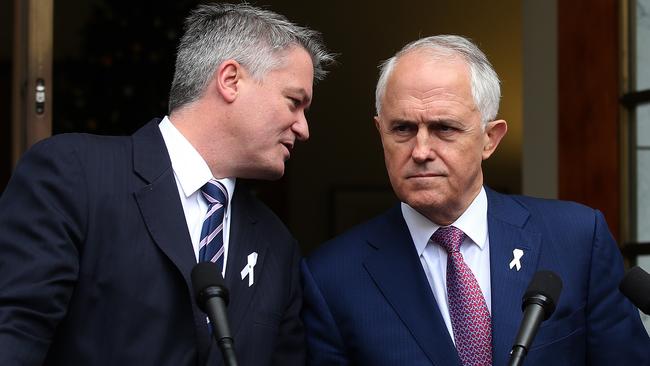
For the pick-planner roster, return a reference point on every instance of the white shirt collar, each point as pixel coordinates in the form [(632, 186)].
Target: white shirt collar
[(473, 222), (191, 171)]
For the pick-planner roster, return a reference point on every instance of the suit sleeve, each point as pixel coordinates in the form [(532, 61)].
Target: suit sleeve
[(40, 227), (290, 347), (615, 333), (324, 342)]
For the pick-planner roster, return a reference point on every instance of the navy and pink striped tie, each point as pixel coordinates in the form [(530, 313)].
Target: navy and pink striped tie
[(470, 317), (211, 245)]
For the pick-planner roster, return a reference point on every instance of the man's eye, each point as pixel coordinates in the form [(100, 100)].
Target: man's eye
[(402, 128), (444, 128), (295, 102)]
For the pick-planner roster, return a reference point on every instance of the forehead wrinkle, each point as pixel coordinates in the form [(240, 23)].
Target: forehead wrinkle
[(409, 79), (427, 103), (411, 92)]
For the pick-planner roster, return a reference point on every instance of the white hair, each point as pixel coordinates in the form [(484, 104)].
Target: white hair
[(486, 90)]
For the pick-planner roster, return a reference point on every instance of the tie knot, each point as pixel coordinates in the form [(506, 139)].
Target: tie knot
[(215, 192), (449, 237)]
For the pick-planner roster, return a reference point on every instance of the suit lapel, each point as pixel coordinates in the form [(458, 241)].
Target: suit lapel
[(163, 218), (163, 214), (159, 202), (396, 270), (244, 240), (506, 226)]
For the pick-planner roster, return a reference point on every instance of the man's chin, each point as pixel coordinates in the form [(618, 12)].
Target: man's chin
[(267, 174), (273, 177)]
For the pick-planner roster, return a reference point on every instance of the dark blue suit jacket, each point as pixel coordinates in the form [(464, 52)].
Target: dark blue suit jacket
[(368, 302), (95, 262)]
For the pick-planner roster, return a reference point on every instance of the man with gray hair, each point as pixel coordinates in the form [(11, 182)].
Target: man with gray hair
[(99, 234), (439, 279)]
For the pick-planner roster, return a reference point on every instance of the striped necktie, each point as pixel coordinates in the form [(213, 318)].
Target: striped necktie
[(211, 246), (470, 318)]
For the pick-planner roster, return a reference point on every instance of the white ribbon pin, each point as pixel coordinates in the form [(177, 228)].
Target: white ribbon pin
[(516, 254), (248, 269)]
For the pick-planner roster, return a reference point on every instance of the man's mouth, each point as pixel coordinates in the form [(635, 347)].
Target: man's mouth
[(289, 147), (425, 175)]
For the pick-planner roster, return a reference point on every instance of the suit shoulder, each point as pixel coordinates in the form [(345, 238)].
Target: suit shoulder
[(78, 143), (549, 213), (502, 201), (353, 243), (558, 209), (530, 201)]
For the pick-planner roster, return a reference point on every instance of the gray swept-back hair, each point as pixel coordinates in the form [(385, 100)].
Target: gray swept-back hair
[(254, 37), (486, 90)]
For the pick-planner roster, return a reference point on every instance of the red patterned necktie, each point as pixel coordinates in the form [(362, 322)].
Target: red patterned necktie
[(470, 318)]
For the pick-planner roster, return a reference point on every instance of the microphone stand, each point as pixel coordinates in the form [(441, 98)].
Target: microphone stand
[(219, 322)]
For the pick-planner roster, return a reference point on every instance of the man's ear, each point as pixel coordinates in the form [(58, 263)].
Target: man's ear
[(227, 77), (494, 132), (377, 123)]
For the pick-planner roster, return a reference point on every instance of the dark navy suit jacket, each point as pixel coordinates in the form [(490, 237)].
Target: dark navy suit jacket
[(95, 262), (368, 301)]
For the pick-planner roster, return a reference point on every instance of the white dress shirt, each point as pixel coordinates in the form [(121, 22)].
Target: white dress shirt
[(475, 250), (191, 173)]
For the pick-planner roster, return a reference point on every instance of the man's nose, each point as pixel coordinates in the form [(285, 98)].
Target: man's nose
[(301, 128), (423, 149)]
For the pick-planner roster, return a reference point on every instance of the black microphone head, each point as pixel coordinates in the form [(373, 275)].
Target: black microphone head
[(207, 282), (544, 289), (636, 287)]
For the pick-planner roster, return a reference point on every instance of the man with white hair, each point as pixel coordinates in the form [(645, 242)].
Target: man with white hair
[(439, 279)]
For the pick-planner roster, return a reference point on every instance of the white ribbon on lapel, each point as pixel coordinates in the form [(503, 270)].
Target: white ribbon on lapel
[(516, 256), (248, 269)]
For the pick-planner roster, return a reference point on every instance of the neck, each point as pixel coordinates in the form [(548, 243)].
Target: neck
[(201, 126)]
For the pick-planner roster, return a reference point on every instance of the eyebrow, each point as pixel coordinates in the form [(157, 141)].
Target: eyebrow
[(429, 121), (400, 121)]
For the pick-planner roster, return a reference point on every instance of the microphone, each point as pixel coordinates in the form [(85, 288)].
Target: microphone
[(212, 297), (636, 287), (538, 304)]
